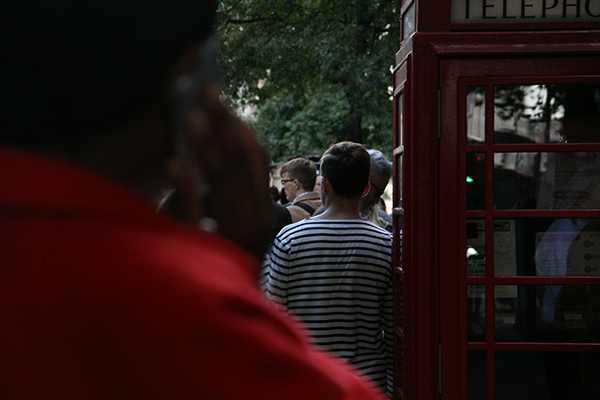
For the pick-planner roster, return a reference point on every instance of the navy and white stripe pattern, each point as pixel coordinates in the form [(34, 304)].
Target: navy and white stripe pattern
[(336, 276)]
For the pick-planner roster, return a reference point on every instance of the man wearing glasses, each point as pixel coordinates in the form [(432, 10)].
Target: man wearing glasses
[(299, 177)]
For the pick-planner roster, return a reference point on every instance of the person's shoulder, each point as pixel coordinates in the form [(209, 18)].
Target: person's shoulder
[(297, 213), (292, 228), (376, 229)]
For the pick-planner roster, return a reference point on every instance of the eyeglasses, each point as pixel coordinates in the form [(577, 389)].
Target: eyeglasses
[(378, 189), (284, 181)]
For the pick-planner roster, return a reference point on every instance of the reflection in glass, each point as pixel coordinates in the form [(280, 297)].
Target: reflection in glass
[(511, 312), (536, 247), (546, 313), (532, 180), (400, 119), (476, 313), (551, 255), (547, 375), (408, 21), (476, 247), (400, 157), (505, 247), (477, 375), (475, 114), (557, 113), (475, 181), (398, 192)]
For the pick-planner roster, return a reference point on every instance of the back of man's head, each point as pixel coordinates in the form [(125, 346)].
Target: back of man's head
[(379, 164), (71, 69), (302, 169), (346, 167)]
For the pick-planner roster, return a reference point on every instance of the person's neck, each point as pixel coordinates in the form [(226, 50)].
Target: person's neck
[(341, 209)]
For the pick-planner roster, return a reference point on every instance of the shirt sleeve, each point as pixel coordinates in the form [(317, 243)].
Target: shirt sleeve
[(278, 272)]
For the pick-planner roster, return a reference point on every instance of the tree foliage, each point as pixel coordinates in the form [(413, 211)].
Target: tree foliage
[(315, 71)]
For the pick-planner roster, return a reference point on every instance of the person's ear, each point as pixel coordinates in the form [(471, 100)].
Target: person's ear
[(325, 187), (367, 189)]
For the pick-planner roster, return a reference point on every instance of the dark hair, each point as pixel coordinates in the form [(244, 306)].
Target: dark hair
[(346, 167), (71, 69), (302, 169)]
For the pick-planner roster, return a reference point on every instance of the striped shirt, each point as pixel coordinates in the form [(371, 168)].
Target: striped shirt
[(336, 276)]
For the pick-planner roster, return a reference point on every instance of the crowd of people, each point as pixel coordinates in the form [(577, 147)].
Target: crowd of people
[(129, 257), (333, 271)]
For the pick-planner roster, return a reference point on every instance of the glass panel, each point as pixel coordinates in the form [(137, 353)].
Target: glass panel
[(475, 247), (563, 113), (510, 313), (569, 247), (399, 157), (397, 187), (475, 114), (408, 21), (399, 299), (536, 247), (475, 181), (547, 313), (477, 370), (547, 375), (505, 247), (400, 118), (547, 180), (476, 313)]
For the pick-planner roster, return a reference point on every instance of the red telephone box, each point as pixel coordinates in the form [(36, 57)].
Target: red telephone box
[(497, 200)]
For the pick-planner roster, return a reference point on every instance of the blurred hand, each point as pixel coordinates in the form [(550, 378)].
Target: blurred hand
[(236, 170)]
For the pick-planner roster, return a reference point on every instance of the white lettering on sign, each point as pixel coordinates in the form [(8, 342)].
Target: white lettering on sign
[(524, 11)]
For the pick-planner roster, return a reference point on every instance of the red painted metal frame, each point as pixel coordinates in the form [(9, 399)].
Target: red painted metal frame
[(434, 16), (433, 285), (420, 227), (453, 147), (400, 78)]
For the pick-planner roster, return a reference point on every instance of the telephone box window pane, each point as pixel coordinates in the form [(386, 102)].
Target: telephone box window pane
[(408, 21), (510, 313), (547, 113), (526, 375), (547, 313), (475, 181), (477, 366), (552, 180), (398, 184), (476, 247), (568, 247), (475, 114), (551, 247), (476, 313), (400, 117)]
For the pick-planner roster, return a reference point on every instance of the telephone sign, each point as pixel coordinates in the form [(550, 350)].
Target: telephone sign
[(524, 11)]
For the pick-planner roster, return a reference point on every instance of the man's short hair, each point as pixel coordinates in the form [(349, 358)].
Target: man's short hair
[(379, 164), (71, 69), (302, 169), (346, 167)]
